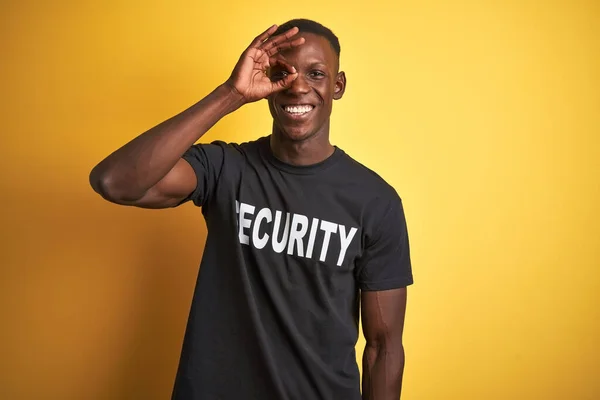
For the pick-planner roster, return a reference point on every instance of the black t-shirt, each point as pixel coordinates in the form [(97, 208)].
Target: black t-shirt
[(275, 311)]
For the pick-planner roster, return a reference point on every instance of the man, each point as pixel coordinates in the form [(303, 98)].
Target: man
[(300, 236)]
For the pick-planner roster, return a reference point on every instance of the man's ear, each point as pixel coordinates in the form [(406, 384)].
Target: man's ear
[(340, 85)]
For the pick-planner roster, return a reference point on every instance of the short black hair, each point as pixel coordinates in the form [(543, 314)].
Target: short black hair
[(307, 25)]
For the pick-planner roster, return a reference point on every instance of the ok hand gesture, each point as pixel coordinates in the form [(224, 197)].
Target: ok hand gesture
[(249, 77)]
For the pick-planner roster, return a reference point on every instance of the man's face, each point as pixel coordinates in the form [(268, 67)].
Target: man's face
[(303, 109)]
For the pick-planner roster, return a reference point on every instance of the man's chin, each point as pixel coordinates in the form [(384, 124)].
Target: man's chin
[(296, 134), (300, 137)]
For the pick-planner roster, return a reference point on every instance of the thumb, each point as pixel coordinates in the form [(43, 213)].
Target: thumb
[(290, 73), (285, 82)]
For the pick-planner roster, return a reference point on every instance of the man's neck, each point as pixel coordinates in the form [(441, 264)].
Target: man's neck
[(311, 151), (301, 153)]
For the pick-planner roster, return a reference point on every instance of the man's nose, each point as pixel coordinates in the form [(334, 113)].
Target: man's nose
[(299, 85)]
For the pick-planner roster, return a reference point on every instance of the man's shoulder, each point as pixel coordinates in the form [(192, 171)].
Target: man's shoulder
[(229, 152), (237, 146), (367, 178)]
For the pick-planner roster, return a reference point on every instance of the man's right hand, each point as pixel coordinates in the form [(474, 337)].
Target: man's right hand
[(249, 78)]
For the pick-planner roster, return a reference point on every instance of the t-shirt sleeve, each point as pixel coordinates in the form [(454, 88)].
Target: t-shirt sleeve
[(207, 161), (385, 262)]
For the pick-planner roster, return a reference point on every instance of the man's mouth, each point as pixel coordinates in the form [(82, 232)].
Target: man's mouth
[(298, 109)]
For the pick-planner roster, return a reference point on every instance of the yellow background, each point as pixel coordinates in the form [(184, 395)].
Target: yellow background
[(483, 114)]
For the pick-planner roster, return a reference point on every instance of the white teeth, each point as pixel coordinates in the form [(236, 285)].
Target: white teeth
[(298, 110)]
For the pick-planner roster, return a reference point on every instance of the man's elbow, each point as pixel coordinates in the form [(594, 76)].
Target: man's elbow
[(390, 353), (106, 186), (385, 346), (384, 370)]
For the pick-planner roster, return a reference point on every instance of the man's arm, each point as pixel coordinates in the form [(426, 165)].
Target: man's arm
[(383, 359), (149, 170)]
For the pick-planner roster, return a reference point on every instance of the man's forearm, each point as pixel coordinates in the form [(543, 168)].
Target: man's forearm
[(383, 368)]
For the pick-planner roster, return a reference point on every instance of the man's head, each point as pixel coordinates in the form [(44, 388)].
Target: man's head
[(309, 26), (302, 110)]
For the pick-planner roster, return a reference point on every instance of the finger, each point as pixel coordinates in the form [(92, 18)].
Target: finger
[(282, 63), (287, 80), (284, 83), (263, 36), (275, 40), (285, 45)]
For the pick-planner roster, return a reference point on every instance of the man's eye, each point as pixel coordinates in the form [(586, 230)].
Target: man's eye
[(317, 74), (279, 75)]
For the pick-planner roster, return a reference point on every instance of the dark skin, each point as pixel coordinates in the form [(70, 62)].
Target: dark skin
[(383, 360), (304, 140), (300, 72)]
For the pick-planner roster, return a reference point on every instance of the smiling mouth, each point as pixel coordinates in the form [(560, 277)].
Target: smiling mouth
[(298, 109)]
